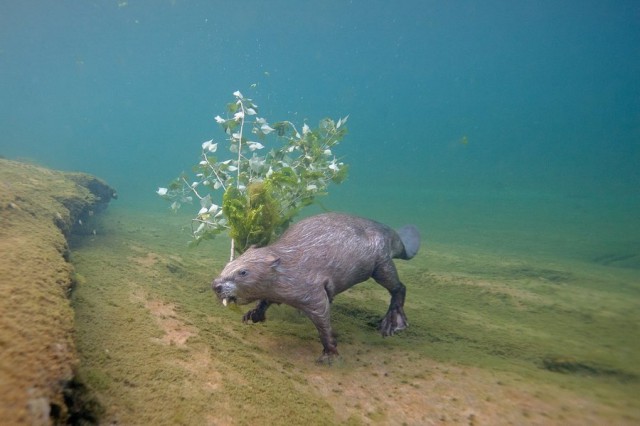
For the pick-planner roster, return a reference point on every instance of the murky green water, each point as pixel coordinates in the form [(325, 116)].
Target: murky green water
[(507, 133)]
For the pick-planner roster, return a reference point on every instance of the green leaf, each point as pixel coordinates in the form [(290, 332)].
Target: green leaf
[(341, 175), (233, 107)]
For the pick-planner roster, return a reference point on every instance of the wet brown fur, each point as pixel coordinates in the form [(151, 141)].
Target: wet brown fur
[(316, 259)]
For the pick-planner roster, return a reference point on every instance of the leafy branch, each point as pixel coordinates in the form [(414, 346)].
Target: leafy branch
[(262, 190)]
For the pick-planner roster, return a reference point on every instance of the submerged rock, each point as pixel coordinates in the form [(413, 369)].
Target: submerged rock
[(39, 208)]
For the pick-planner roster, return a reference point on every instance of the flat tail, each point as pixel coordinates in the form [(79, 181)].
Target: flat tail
[(410, 237)]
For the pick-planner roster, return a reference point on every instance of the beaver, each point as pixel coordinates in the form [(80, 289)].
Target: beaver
[(313, 261)]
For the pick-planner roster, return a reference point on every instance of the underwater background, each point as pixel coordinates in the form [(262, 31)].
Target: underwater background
[(510, 125), (508, 132)]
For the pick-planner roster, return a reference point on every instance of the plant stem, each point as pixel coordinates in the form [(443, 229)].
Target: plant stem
[(213, 170), (233, 243), (192, 189)]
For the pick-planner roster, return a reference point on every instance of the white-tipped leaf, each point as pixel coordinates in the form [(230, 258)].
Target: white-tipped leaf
[(266, 129), (254, 145), (342, 121), (209, 146), (205, 201)]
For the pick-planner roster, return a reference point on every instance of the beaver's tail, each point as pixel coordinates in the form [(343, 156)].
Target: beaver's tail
[(410, 237)]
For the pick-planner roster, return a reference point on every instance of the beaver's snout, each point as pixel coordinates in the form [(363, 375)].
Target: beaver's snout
[(225, 290), (216, 286)]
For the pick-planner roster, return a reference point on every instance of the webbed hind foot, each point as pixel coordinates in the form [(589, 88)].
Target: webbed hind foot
[(394, 321)]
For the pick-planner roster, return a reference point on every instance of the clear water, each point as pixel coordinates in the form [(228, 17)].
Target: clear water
[(507, 126)]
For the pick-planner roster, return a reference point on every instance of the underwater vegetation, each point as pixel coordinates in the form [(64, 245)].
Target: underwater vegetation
[(261, 193), (39, 209), (253, 217)]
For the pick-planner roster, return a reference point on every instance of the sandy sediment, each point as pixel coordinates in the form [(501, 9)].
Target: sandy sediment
[(39, 208)]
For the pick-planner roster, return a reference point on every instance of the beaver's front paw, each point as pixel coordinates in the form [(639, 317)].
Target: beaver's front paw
[(254, 315), (394, 321)]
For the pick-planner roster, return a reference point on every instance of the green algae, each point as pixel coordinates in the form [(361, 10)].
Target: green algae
[(253, 217), (136, 375), (489, 324), (38, 208)]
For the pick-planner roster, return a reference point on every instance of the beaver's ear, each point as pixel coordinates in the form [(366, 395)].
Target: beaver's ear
[(273, 261)]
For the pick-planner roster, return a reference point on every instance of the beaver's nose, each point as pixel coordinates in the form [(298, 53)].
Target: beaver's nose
[(216, 286)]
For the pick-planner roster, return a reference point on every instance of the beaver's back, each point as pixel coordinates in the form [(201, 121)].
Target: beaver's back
[(336, 247), (342, 234)]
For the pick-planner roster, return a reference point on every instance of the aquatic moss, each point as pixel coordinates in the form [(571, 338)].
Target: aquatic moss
[(253, 216), (38, 208), (477, 337)]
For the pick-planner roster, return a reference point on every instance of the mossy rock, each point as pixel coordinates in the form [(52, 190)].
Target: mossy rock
[(39, 208)]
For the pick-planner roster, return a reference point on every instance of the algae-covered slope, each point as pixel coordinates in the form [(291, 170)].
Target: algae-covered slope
[(492, 340), (38, 209)]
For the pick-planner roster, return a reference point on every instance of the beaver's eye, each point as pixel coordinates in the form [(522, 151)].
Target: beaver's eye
[(243, 272)]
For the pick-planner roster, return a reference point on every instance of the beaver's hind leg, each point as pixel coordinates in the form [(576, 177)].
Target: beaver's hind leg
[(395, 320)]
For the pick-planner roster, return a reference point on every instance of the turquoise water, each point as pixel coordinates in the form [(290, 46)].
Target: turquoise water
[(507, 126)]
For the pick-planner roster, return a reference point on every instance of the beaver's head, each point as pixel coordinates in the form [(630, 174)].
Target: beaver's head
[(246, 278)]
